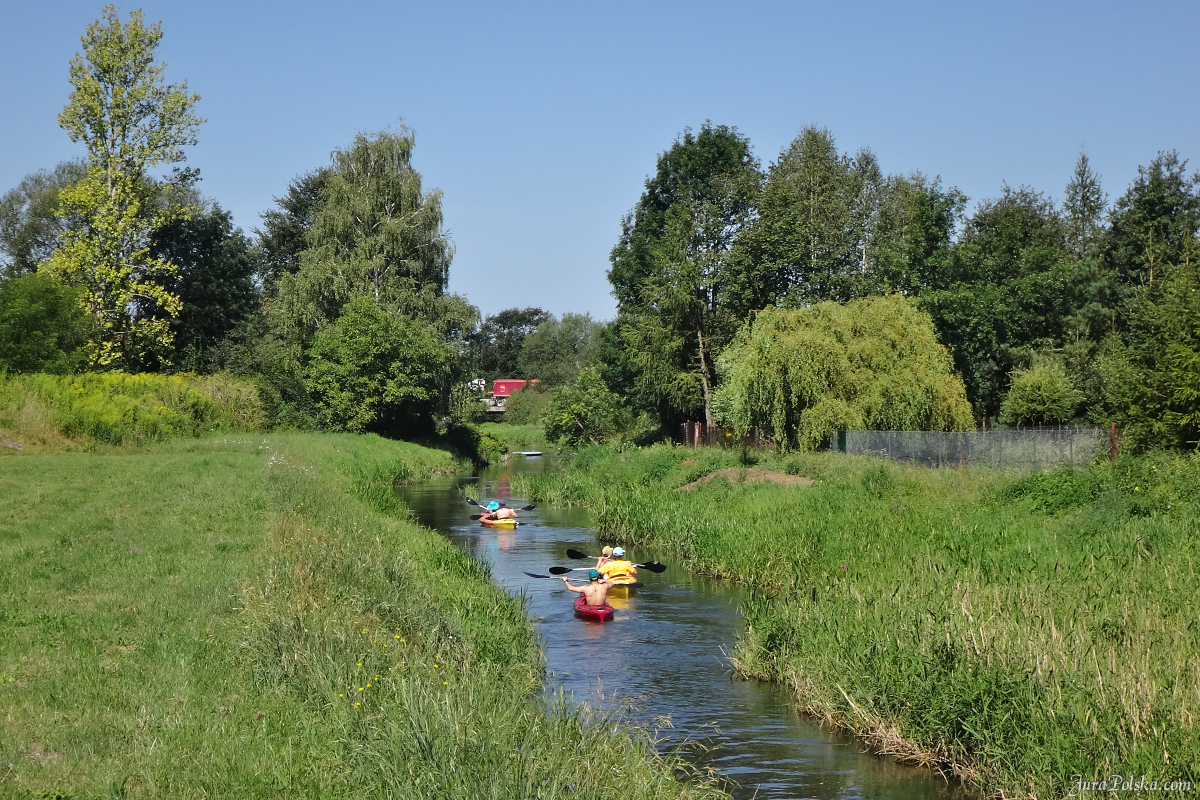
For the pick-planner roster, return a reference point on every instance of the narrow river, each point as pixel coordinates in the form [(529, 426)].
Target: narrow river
[(665, 651)]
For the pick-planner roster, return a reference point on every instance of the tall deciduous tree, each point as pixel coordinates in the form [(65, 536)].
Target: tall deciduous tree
[(214, 280), (30, 225), (1005, 294), (817, 210), (496, 347), (559, 349), (285, 231), (377, 233), (670, 266), (131, 121)]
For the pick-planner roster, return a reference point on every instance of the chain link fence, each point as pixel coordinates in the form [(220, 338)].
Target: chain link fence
[(1041, 446)]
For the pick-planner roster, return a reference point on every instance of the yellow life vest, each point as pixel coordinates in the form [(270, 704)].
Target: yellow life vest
[(618, 569)]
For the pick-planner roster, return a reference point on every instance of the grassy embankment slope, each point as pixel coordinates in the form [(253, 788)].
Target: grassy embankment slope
[(1015, 629), (518, 437), (253, 616)]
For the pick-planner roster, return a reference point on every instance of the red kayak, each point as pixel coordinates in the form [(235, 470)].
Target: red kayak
[(598, 613)]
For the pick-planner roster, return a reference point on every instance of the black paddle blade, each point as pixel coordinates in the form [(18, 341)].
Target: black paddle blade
[(576, 554), (476, 516), (535, 575), (653, 566), (559, 570), (471, 502), (527, 508)]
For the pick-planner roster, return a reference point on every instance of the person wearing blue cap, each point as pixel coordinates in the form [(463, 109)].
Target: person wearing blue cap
[(497, 511), (619, 567)]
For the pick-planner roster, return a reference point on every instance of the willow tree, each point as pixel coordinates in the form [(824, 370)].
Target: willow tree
[(131, 121), (874, 363)]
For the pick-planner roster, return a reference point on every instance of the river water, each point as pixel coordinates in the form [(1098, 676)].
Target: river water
[(663, 656)]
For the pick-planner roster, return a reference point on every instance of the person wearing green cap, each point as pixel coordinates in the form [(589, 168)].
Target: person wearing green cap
[(595, 591)]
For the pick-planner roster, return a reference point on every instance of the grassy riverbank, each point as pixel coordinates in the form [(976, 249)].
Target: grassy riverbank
[(255, 616), (1014, 629)]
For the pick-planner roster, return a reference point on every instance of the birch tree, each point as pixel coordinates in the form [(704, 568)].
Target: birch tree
[(131, 122)]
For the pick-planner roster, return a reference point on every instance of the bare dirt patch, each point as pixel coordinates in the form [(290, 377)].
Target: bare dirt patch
[(736, 476), (41, 755)]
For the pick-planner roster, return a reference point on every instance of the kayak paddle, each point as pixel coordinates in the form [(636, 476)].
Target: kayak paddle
[(576, 554), (653, 566), (529, 507)]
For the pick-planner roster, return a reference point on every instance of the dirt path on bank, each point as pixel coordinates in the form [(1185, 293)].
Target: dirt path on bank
[(735, 476)]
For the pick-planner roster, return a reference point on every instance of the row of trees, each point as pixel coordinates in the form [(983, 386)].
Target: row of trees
[(1081, 306), (339, 307)]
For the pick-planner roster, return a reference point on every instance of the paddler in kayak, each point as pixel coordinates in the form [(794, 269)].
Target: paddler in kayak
[(498, 511), (618, 568), (605, 557), (595, 591)]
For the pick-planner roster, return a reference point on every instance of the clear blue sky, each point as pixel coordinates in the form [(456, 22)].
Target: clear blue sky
[(540, 122)]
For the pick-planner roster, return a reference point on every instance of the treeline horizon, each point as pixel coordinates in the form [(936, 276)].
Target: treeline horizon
[(338, 305)]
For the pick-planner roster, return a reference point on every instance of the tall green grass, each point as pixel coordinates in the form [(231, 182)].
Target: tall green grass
[(1016, 629), (517, 437), (256, 617), (118, 408)]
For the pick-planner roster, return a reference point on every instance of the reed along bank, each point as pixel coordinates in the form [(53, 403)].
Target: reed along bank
[(256, 616), (1022, 631)]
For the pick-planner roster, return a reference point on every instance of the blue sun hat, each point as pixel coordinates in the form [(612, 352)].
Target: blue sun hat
[(618, 551), (593, 574), (492, 506)]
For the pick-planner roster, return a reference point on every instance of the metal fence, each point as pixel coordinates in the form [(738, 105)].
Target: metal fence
[(1041, 446)]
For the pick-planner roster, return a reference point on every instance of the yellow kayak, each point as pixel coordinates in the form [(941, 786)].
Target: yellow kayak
[(623, 585), (499, 523)]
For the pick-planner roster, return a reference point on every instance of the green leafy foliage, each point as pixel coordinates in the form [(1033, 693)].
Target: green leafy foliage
[(42, 327), (122, 409), (376, 233), (130, 121), (873, 363), (585, 412), (670, 264), (284, 234), (1043, 393), (527, 405), (1004, 294), (554, 353), (1151, 378), (214, 281), (30, 225), (495, 349), (375, 368)]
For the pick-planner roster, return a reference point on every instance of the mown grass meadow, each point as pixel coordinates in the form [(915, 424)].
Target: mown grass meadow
[(1015, 629), (255, 616)]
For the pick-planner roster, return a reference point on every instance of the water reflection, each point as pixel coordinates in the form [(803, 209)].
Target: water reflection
[(664, 651)]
